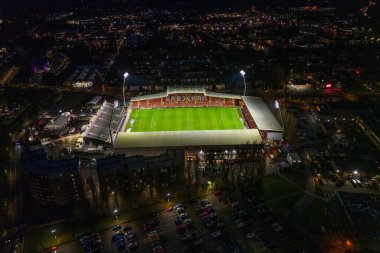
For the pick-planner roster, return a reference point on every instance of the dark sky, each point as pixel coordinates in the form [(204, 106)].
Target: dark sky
[(67, 4)]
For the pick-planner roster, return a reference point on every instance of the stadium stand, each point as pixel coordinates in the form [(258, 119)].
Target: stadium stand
[(99, 127)]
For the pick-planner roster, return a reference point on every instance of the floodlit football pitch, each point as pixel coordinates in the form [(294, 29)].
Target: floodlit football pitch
[(182, 119)]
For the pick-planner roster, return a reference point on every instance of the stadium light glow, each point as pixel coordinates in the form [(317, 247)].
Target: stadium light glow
[(277, 104), (242, 72)]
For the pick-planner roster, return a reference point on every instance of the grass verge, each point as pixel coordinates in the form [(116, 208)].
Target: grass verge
[(314, 215)]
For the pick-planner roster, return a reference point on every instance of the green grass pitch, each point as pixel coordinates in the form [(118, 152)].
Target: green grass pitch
[(187, 118)]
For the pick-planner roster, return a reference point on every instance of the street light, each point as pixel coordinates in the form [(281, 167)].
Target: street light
[(125, 77), (168, 195), (53, 233), (242, 72)]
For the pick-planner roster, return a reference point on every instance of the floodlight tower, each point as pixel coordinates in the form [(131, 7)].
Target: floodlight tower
[(115, 104), (125, 77), (242, 73), (277, 105)]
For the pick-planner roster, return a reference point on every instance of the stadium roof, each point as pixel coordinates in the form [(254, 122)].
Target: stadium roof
[(95, 100), (261, 114), (150, 96), (222, 95), (167, 139), (185, 90), (99, 127)]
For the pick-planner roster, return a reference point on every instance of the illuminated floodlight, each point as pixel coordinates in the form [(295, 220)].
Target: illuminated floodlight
[(125, 77), (242, 72), (355, 172), (277, 104)]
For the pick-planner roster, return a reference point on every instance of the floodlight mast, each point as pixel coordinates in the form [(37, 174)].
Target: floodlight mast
[(115, 105), (242, 73), (277, 105), (125, 77)]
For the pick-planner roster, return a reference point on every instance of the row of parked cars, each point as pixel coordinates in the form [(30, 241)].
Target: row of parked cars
[(124, 238), (356, 182), (91, 243), (185, 228), (215, 225), (151, 227)]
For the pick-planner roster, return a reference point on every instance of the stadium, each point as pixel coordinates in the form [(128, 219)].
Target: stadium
[(192, 117)]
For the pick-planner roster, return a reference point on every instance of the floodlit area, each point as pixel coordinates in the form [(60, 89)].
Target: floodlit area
[(183, 119)]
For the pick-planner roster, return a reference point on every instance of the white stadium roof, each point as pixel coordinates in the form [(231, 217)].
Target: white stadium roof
[(261, 114), (185, 90), (125, 140)]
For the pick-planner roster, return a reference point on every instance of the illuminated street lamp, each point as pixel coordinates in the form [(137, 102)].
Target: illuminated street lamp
[(115, 212), (168, 195), (242, 73), (53, 233), (125, 77), (355, 172)]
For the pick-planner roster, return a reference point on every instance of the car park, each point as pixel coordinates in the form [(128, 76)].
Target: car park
[(91, 243)]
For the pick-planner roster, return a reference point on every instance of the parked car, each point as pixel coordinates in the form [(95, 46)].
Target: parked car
[(116, 227), (216, 234)]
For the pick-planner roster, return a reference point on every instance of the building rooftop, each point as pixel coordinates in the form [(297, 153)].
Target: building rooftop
[(185, 90), (125, 140), (35, 162)]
